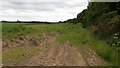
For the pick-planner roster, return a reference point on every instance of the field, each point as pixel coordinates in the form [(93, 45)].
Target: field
[(15, 50)]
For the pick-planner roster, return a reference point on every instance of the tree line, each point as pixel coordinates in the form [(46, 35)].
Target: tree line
[(37, 22), (103, 20)]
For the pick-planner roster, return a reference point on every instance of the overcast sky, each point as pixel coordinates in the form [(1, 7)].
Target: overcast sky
[(41, 10)]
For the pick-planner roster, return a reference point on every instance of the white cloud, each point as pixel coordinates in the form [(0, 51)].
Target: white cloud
[(41, 10)]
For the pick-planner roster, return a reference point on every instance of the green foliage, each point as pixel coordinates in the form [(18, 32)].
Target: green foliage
[(118, 8), (94, 10), (71, 21), (108, 24), (104, 21), (115, 41)]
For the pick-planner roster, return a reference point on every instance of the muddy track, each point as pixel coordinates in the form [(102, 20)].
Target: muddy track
[(55, 54)]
